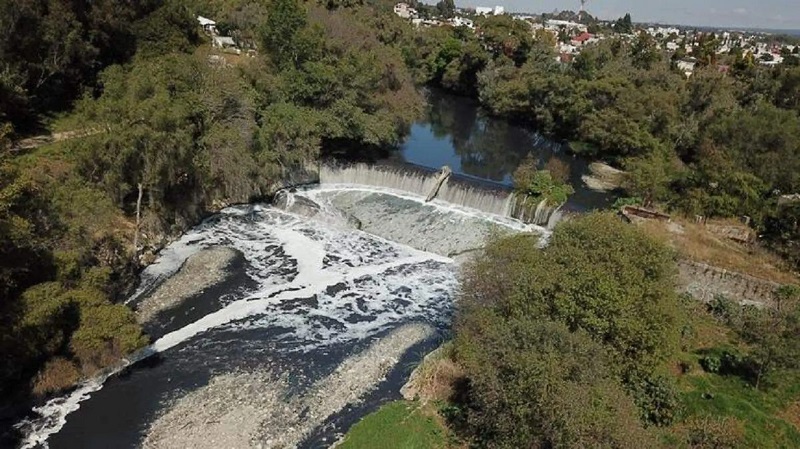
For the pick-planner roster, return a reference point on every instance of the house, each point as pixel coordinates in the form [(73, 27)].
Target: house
[(687, 65), (483, 11), (404, 11), (462, 22), (582, 39), (224, 42), (209, 26)]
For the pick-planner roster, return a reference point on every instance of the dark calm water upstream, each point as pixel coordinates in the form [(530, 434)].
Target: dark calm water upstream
[(457, 132)]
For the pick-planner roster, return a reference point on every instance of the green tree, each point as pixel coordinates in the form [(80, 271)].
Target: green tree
[(773, 334), (446, 8), (536, 384), (283, 34), (645, 52), (650, 177), (540, 184), (624, 25), (598, 274)]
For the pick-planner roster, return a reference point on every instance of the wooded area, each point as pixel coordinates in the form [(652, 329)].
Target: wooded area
[(715, 144), (173, 134)]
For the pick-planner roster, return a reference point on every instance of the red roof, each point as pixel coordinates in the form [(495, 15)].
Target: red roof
[(583, 37)]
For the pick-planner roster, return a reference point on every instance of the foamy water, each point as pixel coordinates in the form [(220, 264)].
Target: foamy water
[(320, 284)]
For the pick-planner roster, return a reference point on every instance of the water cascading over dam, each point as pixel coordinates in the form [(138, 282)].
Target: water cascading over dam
[(459, 190)]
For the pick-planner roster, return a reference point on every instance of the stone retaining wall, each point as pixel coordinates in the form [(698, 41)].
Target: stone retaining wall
[(704, 282)]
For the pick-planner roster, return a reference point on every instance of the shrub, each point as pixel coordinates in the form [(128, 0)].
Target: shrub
[(57, 374), (657, 399), (705, 432), (711, 364), (537, 384)]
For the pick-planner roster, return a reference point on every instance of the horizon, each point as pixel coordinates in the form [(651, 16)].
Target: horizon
[(767, 15)]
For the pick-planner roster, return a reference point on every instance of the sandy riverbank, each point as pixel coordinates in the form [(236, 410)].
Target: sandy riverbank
[(200, 271)]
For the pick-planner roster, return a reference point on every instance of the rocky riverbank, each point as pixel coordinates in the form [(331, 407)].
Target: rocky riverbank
[(258, 410), (200, 271)]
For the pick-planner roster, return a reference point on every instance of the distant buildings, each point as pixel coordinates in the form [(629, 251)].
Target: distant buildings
[(687, 66), (484, 11), (582, 39), (405, 11), (462, 22), (225, 43)]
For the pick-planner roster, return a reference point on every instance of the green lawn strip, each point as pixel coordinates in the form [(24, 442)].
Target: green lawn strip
[(715, 395), (397, 425)]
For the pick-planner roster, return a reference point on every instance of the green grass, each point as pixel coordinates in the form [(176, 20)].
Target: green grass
[(762, 412), (397, 425), (759, 410)]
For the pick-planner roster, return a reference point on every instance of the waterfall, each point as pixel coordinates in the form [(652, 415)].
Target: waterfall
[(458, 190)]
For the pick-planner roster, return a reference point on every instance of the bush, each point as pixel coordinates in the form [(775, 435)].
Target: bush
[(657, 399), (57, 374), (711, 364), (706, 432), (537, 384), (542, 184)]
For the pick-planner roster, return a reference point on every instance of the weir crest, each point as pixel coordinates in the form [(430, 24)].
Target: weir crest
[(455, 189)]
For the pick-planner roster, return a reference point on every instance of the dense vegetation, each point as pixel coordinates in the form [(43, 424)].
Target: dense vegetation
[(574, 345), (167, 132), (716, 144), (585, 344)]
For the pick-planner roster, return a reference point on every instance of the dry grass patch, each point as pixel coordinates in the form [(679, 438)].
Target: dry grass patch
[(695, 242), (791, 414), (436, 378), (57, 375)]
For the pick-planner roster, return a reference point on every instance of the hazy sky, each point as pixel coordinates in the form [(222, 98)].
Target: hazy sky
[(780, 14)]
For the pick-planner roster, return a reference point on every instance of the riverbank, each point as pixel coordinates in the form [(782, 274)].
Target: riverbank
[(200, 271), (258, 410)]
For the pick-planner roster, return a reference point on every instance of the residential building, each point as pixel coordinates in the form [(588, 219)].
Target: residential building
[(405, 11), (209, 26)]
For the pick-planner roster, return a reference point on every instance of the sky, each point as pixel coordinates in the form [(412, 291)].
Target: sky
[(773, 14)]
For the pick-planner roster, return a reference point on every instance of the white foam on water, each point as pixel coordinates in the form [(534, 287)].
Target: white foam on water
[(326, 284), (54, 414)]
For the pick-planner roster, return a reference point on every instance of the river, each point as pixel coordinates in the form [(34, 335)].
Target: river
[(328, 303), (455, 131)]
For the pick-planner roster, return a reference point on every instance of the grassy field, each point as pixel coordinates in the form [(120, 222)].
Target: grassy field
[(768, 417), (398, 425)]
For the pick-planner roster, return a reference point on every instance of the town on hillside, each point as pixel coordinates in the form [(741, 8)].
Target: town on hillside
[(571, 32)]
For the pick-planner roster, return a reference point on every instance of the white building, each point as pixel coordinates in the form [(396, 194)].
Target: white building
[(405, 11), (483, 11), (225, 42), (687, 65), (462, 22), (208, 25)]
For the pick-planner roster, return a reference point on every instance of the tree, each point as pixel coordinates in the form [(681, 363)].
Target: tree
[(650, 176), (624, 25), (446, 8), (773, 333), (282, 34), (598, 274), (645, 51), (536, 384), (540, 184)]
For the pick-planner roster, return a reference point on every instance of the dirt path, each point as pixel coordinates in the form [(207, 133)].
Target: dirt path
[(31, 143)]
